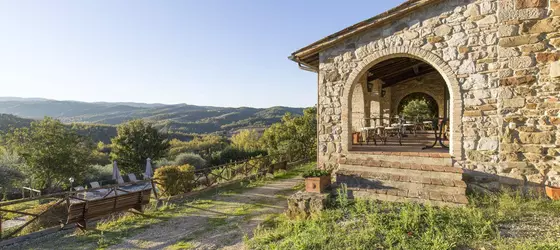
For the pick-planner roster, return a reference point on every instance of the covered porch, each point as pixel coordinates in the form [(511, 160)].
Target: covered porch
[(400, 106)]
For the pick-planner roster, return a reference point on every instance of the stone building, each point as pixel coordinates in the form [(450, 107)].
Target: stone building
[(492, 67)]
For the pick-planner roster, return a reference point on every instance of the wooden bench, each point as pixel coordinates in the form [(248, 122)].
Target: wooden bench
[(81, 212)]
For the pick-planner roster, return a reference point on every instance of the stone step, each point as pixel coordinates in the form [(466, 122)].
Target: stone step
[(402, 181), (451, 201), (433, 159), (415, 174), (394, 184), (401, 164)]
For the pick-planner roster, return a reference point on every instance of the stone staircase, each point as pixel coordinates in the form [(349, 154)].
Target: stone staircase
[(430, 180)]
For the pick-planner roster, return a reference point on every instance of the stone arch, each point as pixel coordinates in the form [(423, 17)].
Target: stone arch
[(456, 103)]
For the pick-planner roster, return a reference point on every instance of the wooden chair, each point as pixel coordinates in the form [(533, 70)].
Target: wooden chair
[(132, 177)]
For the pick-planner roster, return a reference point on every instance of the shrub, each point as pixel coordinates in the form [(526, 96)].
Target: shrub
[(191, 159), (316, 173), (174, 180)]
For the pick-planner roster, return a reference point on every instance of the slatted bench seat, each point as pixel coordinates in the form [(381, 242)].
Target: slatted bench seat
[(81, 212)]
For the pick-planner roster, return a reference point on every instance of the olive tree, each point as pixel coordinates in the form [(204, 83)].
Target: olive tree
[(135, 142), (52, 152)]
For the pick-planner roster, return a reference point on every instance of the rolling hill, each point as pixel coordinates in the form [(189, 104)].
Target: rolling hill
[(101, 117)]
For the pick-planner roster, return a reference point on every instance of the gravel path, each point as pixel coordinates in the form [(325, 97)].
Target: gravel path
[(221, 226), (217, 222)]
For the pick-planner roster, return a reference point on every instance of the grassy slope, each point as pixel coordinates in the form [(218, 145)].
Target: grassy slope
[(379, 225)]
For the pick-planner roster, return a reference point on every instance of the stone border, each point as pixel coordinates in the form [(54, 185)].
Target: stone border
[(456, 103)]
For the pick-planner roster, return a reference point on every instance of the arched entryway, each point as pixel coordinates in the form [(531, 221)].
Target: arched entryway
[(414, 70)]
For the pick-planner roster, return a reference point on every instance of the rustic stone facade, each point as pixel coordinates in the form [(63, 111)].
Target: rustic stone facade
[(500, 62)]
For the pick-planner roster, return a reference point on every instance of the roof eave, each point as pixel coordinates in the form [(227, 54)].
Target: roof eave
[(380, 19)]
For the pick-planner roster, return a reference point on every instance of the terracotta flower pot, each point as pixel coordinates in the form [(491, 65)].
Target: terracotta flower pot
[(317, 184), (553, 192)]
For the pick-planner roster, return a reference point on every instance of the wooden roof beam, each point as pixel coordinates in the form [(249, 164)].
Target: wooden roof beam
[(390, 83), (393, 72)]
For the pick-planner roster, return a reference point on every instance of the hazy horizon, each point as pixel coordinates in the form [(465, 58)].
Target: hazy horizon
[(17, 98), (212, 53)]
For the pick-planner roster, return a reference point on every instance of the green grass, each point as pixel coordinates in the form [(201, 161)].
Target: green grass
[(181, 245), (382, 225), (21, 207)]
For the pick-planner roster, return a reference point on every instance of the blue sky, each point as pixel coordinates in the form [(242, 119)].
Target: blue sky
[(220, 53)]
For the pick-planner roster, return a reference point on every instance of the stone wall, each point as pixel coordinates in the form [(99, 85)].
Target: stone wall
[(500, 61)]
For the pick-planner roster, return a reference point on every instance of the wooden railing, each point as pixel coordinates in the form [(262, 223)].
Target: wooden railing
[(250, 168)]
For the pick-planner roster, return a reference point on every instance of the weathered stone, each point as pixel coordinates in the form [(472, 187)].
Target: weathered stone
[(555, 42), (409, 35), (524, 4), (508, 30), (488, 144), (521, 62), (479, 156), (515, 41), (467, 67), (555, 7), (508, 52), (303, 204), (555, 69), (442, 30), (517, 80), (472, 113), (531, 48), (517, 102), (548, 56), (487, 20), (332, 76), (472, 10), (435, 39), (463, 49), (541, 26), (536, 137), (475, 81), (457, 39)]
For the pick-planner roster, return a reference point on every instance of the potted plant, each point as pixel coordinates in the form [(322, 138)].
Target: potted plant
[(553, 189), (317, 180)]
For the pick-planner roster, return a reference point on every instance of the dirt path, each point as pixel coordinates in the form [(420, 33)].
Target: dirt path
[(218, 222)]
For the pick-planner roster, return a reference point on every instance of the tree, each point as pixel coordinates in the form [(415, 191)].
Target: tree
[(135, 142), (246, 139), (295, 136), (417, 109), (52, 152)]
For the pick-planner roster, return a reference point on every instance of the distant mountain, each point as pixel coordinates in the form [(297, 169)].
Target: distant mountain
[(11, 98), (177, 118)]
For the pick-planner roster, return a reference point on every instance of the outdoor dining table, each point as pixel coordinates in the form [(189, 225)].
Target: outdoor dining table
[(437, 124)]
